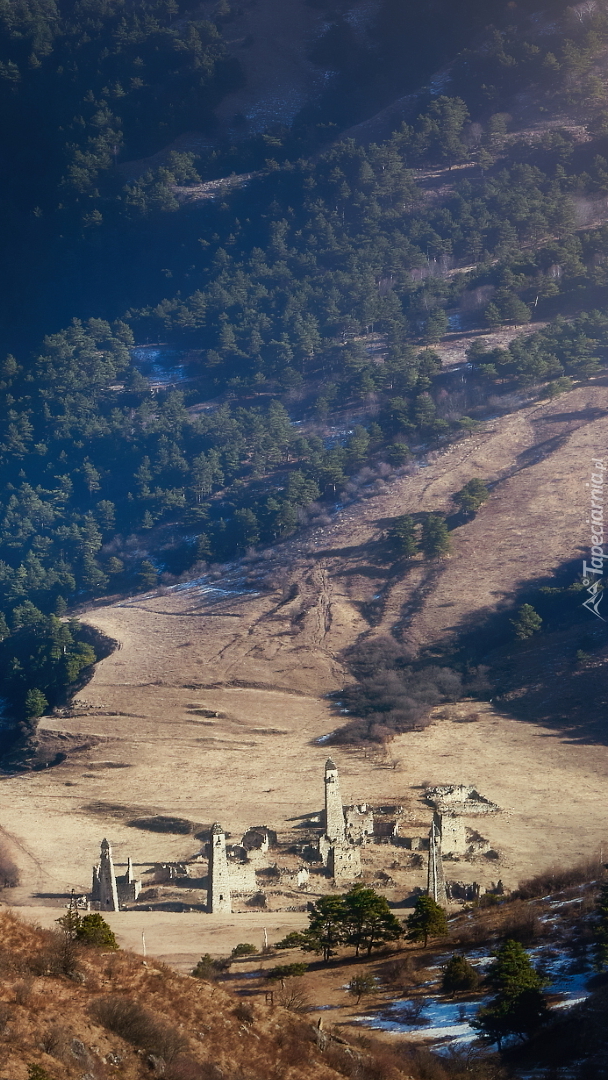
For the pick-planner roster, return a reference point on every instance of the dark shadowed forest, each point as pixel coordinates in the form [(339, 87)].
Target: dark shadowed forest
[(306, 299)]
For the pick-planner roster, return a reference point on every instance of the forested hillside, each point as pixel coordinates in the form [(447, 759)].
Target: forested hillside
[(305, 304)]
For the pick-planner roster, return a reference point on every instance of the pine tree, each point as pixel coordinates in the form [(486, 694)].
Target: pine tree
[(92, 929), (515, 310), (435, 540), (369, 920), (459, 976), (35, 704), (327, 926), (472, 496), (427, 920), (404, 532), (527, 622), (436, 327), (493, 316), (519, 1006), (148, 576)]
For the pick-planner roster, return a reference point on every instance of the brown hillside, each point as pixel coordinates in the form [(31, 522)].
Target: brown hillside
[(171, 1025)]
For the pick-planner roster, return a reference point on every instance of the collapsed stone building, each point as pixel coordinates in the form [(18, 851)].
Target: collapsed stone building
[(109, 891), (346, 831), (337, 839)]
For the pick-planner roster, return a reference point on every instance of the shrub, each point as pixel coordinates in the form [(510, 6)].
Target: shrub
[(128, 1019), (244, 949), (459, 976), (286, 971), (244, 1012), (293, 996), (521, 923), (362, 985), (92, 929), (210, 969), (9, 871), (164, 824), (390, 696), (36, 1072), (556, 878), (405, 971), (23, 991), (55, 1040)]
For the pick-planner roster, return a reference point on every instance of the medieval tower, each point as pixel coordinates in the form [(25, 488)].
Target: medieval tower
[(218, 891), (104, 889), (334, 814), (436, 880)]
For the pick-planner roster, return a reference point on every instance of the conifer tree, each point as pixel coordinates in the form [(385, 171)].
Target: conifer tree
[(527, 622), (369, 920), (427, 920), (404, 532), (459, 976), (435, 540), (35, 704), (472, 496), (519, 1006)]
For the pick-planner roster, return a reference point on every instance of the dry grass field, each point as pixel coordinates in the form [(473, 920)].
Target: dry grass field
[(143, 740)]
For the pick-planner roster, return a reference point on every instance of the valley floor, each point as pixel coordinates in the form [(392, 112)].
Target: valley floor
[(143, 740)]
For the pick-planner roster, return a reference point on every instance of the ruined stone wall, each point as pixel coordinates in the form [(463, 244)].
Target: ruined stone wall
[(359, 822), (460, 799), (295, 879), (242, 879), (344, 862), (453, 834)]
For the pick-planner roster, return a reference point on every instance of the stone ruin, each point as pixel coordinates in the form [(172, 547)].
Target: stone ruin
[(459, 799), (109, 891), (246, 868), (451, 838)]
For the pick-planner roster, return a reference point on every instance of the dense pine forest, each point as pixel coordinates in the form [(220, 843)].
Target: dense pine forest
[(302, 304)]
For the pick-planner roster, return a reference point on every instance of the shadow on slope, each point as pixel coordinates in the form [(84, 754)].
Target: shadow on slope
[(556, 676)]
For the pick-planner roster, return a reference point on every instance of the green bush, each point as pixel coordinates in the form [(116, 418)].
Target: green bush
[(243, 949), (286, 971), (427, 920), (527, 622), (459, 976), (93, 929)]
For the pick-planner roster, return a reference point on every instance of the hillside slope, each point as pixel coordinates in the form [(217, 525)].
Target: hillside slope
[(110, 1014), (216, 698)]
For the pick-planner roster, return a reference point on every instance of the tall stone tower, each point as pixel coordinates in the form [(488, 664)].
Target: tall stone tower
[(104, 880), (334, 814), (436, 879), (218, 891)]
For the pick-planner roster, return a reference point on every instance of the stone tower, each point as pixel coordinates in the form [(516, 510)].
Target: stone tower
[(218, 891), (104, 880), (436, 879), (334, 814)]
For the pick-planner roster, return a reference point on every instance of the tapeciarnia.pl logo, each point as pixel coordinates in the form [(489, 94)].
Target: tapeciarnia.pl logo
[(594, 570)]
